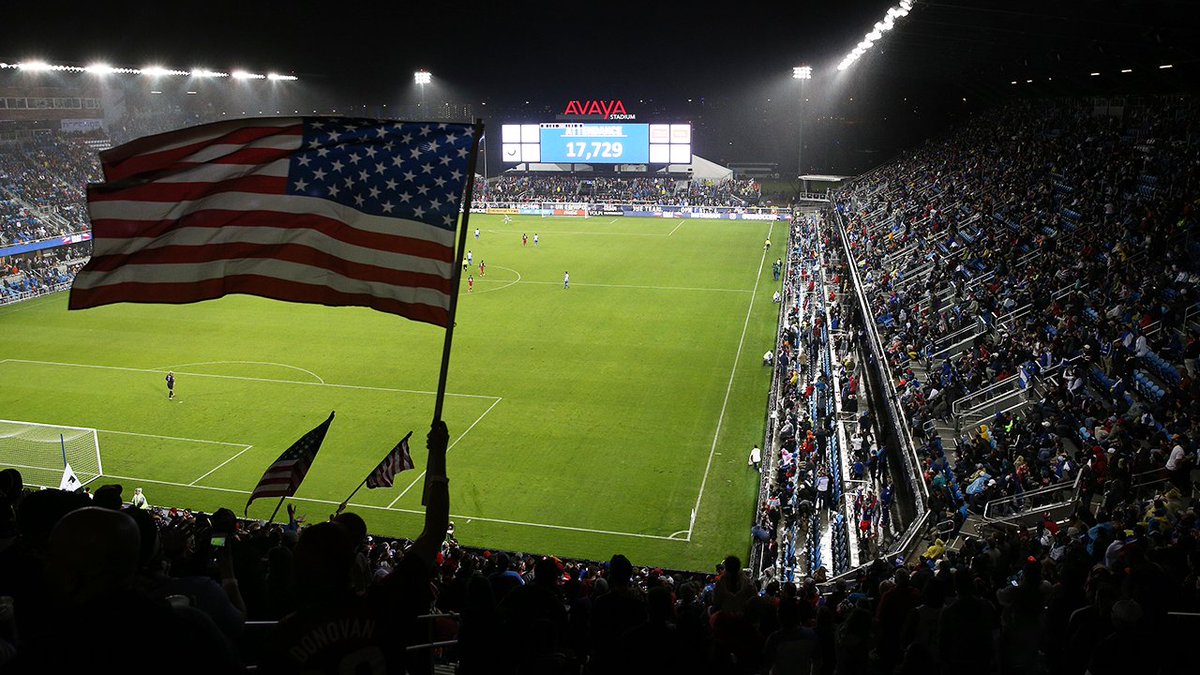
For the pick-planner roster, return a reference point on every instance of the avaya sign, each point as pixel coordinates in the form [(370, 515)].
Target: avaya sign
[(605, 110)]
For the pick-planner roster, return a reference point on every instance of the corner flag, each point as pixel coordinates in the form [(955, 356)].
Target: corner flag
[(69, 482)]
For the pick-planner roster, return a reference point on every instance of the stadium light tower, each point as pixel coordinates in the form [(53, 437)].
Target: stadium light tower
[(422, 78), (801, 73)]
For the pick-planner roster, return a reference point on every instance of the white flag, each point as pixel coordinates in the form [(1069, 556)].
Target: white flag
[(69, 482)]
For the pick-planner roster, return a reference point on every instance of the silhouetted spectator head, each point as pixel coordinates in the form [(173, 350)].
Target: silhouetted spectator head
[(11, 485), (659, 606), (732, 564), (108, 497), (40, 511), (93, 553), (148, 530), (322, 563), (620, 570), (354, 525), (964, 582), (224, 521), (547, 571)]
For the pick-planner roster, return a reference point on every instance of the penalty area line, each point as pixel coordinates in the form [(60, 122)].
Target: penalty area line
[(451, 447), (247, 379)]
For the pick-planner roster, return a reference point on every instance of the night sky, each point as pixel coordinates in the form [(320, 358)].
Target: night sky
[(726, 70)]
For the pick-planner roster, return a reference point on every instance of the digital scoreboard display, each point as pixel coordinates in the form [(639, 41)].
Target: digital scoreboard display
[(597, 143)]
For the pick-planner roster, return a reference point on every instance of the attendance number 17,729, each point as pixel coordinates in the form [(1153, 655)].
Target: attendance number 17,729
[(593, 150)]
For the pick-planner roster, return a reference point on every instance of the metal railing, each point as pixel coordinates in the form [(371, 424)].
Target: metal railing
[(1005, 508), (982, 396), (891, 396)]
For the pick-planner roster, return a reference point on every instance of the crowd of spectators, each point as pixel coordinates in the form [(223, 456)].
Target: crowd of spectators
[(1083, 220), (532, 188), (42, 187), (32, 274), (1062, 241), (165, 587)]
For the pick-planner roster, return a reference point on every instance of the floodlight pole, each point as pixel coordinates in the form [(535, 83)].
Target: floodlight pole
[(801, 73)]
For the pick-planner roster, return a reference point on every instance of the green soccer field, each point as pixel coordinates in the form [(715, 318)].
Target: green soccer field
[(584, 422)]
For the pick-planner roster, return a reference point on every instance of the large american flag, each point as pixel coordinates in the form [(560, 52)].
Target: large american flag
[(284, 476), (399, 459), (333, 211)]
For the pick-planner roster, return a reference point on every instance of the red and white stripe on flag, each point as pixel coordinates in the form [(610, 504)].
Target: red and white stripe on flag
[(399, 459), (333, 211)]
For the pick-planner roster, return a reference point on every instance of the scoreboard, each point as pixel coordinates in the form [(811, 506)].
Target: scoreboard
[(596, 143)]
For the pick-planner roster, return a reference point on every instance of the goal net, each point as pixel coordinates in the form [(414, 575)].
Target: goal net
[(37, 451)]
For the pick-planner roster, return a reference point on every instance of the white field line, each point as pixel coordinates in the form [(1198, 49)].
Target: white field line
[(172, 438), (390, 507), (248, 379), (244, 447), (333, 503), (214, 469), (506, 284), (729, 387), (676, 227), (448, 449), (648, 288), (256, 363)]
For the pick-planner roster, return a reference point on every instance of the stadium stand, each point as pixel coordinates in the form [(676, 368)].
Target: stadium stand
[(990, 342)]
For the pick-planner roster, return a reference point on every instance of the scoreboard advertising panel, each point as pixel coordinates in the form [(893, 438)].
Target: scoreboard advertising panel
[(597, 143)]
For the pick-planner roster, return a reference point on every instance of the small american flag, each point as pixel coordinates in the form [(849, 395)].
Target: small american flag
[(397, 460), (283, 478), (333, 211)]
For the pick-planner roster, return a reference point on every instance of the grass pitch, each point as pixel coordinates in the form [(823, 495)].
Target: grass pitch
[(584, 422)]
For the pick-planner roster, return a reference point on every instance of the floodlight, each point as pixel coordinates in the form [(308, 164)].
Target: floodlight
[(34, 66), (877, 31), (802, 72), (422, 77)]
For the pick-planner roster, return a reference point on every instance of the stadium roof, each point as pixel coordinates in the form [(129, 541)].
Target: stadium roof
[(471, 46)]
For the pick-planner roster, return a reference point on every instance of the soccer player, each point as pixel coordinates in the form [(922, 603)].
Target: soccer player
[(470, 283), (482, 268), (170, 385), (524, 239), (767, 245), (469, 258), (566, 275), (507, 220), (477, 234), (535, 239)]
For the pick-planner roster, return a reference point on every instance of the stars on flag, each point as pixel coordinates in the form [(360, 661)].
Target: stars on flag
[(401, 170)]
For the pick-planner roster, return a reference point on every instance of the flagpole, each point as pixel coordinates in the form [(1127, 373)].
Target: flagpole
[(276, 511), (342, 507), (456, 281), (63, 442)]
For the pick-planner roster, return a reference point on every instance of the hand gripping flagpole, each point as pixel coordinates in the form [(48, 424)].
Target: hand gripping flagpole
[(455, 283)]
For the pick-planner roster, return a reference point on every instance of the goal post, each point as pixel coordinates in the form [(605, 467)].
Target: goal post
[(38, 451)]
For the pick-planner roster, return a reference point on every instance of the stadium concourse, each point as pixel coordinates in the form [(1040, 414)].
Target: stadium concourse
[(979, 451)]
